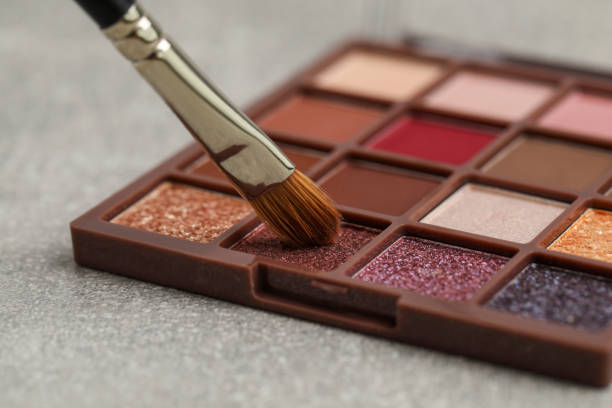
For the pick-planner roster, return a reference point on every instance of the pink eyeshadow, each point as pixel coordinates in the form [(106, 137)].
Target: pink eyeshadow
[(431, 140), (490, 95), (582, 112), (352, 238), (432, 268)]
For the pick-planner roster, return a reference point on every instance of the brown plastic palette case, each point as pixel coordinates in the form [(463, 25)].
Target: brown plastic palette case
[(476, 199)]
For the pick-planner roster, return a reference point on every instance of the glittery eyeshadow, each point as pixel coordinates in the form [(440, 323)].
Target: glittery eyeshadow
[(181, 211), (324, 258), (432, 268), (558, 295), (590, 236)]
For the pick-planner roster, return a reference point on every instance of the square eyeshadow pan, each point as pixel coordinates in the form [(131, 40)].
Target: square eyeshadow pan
[(318, 118), (590, 236), (551, 162), (495, 212), (493, 96), (381, 189), (261, 241), (558, 295), (380, 278), (583, 113), (432, 268), (378, 75), (432, 140), (181, 211)]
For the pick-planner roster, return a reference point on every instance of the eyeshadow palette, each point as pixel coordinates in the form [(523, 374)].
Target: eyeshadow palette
[(477, 206)]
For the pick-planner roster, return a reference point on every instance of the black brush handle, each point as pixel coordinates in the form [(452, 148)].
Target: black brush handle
[(105, 12)]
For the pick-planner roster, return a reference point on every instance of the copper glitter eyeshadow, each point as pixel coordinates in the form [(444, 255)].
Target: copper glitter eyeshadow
[(590, 236), (180, 211), (472, 223)]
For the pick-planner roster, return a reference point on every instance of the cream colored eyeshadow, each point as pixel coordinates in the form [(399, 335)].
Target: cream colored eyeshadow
[(378, 75), (495, 213)]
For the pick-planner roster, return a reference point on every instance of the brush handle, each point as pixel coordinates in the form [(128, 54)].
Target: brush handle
[(241, 150), (105, 12)]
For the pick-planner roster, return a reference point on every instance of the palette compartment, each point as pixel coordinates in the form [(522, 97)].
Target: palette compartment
[(336, 74), (589, 235), (541, 298), (525, 94), (360, 184), (420, 136), (331, 294), (319, 120), (548, 161), (584, 111)]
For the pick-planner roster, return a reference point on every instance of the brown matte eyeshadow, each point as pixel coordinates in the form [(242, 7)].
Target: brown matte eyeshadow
[(319, 118), (590, 236), (352, 238), (303, 159), (375, 188), (181, 211), (552, 162)]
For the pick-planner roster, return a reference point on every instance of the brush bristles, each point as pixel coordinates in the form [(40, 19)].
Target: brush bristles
[(298, 212)]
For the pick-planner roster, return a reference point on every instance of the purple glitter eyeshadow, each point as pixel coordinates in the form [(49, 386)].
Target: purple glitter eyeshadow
[(558, 295), (431, 268)]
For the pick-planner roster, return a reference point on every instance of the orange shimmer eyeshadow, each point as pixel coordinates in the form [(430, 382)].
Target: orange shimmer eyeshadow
[(182, 211), (590, 236)]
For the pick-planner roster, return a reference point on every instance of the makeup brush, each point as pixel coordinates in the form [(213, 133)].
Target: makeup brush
[(287, 200)]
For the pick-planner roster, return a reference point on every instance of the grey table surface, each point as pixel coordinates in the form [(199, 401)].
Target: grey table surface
[(77, 124)]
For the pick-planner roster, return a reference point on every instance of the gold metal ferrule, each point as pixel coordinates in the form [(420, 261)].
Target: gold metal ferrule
[(243, 151)]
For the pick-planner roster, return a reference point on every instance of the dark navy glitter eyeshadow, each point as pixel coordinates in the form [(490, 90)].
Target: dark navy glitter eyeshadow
[(558, 295)]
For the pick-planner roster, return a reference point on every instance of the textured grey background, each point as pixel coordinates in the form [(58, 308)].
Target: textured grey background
[(77, 124)]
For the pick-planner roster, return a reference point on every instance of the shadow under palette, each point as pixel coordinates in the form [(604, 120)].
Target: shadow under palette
[(477, 206)]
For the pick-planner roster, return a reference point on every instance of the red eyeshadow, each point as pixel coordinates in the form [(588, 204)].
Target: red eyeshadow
[(447, 143)]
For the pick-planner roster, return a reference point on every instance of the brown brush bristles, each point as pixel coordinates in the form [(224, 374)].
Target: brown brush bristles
[(298, 212)]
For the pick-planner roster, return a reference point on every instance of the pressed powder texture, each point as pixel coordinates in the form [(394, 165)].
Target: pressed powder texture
[(302, 159), (319, 118), (381, 189), (352, 238), (590, 236), (431, 268), (378, 75), (443, 142), (494, 96), (495, 213), (582, 112), (551, 162), (182, 211), (558, 295)]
